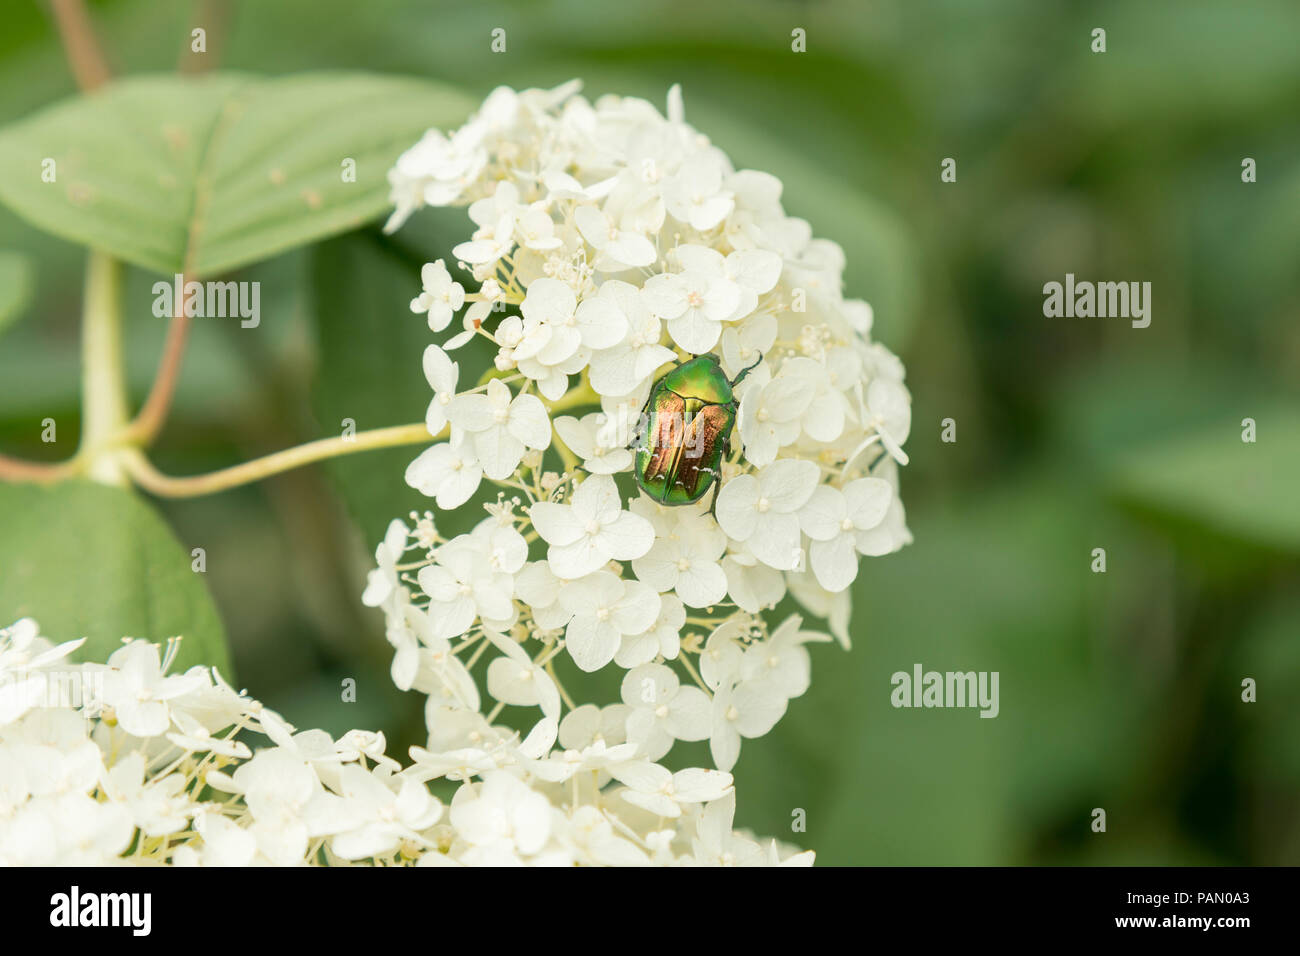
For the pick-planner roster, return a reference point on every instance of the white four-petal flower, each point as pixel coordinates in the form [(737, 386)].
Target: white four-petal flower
[(591, 530)]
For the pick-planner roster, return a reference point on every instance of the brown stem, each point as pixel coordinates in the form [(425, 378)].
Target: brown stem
[(85, 58), (153, 413), (15, 469)]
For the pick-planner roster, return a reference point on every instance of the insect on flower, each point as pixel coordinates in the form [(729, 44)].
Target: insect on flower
[(686, 431)]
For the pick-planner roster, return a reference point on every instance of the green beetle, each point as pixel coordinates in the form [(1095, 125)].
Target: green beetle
[(685, 431)]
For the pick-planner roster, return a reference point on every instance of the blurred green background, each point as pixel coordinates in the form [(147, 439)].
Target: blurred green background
[(1119, 690)]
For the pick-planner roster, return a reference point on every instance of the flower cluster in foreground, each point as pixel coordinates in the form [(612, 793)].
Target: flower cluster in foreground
[(611, 243), (125, 763)]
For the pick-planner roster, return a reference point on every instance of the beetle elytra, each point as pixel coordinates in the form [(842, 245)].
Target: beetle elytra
[(686, 431)]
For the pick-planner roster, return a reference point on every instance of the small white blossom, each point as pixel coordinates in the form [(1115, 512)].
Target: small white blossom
[(591, 529), (662, 710), (442, 296), (604, 609), (763, 511), (837, 520), (448, 472), (500, 426)]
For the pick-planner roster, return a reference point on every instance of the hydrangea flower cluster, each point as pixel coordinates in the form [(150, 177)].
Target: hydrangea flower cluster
[(611, 242), (125, 763)]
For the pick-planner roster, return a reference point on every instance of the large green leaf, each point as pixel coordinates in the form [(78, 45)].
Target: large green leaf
[(203, 174), (94, 561)]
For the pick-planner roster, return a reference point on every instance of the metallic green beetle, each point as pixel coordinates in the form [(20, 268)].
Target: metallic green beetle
[(685, 431)]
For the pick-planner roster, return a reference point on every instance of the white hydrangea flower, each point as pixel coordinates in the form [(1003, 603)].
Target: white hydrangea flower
[(76, 789), (442, 297), (661, 639), (686, 559), (607, 243), (448, 472), (763, 510), (591, 529), (442, 374), (657, 790), (502, 428), (837, 519), (662, 710), (604, 609), (595, 439)]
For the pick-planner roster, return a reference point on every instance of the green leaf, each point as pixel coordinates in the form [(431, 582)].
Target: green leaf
[(93, 561), (15, 285), (203, 174), (1243, 490)]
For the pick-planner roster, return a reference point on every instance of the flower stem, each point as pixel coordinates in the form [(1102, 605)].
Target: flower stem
[(18, 469), (149, 420), (80, 46), (152, 480), (103, 397)]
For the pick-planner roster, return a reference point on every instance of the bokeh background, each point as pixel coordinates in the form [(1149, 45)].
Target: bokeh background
[(1119, 690)]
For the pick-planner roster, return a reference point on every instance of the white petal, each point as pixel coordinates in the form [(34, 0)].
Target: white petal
[(776, 543), (724, 745), (593, 224), (459, 486), (628, 536), (473, 413), (631, 249), (556, 523), (823, 516), (694, 332), (697, 785), (664, 295), (498, 452), (757, 269), (511, 683), (658, 567), (736, 506), (638, 609), (591, 643), (578, 558), (440, 371), (834, 562), (690, 714), (702, 585), (435, 416), (598, 495), (867, 501), (789, 483), (759, 708), (548, 300), (529, 423), (601, 322)]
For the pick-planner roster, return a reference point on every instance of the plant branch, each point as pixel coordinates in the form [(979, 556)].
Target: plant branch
[(80, 47), (153, 413), (103, 389), (152, 480), (17, 469)]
